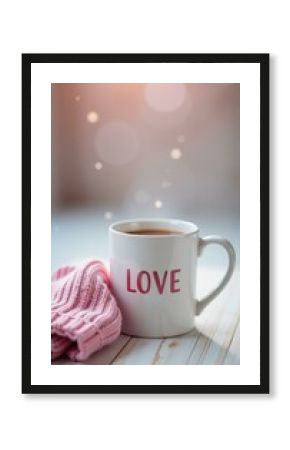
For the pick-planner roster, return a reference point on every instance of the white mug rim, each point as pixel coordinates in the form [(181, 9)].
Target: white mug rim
[(187, 228)]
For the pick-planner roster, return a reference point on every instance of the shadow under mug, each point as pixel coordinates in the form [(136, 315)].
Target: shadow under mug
[(153, 276)]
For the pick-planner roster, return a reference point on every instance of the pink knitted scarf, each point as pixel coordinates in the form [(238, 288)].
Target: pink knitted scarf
[(84, 314)]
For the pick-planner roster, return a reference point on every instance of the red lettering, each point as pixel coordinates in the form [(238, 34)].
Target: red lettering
[(143, 282), (160, 284), (129, 289), (140, 284), (174, 280)]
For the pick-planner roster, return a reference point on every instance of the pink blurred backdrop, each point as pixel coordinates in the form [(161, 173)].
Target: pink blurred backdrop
[(146, 150)]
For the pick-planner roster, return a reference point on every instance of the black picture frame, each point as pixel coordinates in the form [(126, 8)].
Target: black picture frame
[(263, 60)]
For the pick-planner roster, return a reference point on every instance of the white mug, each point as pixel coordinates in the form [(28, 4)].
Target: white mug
[(153, 276)]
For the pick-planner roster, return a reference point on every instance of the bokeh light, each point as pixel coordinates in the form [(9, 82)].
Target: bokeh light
[(158, 204), (165, 97), (176, 153), (98, 165), (77, 98), (92, 116), (108, 215), (117, 143)]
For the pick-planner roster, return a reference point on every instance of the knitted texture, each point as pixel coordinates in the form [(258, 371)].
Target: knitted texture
[(84, 314)]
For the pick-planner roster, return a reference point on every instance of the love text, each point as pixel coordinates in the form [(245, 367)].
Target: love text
[(144, 281)]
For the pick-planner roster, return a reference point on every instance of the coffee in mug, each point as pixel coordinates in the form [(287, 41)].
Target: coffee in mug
[(154, 232)]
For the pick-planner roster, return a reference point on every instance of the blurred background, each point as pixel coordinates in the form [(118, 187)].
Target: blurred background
[(142, 150)]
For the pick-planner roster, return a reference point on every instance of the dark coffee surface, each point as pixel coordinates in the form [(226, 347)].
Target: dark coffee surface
[(154, 232)]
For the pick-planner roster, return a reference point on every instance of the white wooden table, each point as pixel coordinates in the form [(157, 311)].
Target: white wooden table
[(215, 339)]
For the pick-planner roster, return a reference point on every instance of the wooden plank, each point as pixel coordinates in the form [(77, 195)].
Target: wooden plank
[(217, 325), (176, 350), (109, 353), (139, 351), (102, 357), (217, 346), (220, 337), (233, 354)]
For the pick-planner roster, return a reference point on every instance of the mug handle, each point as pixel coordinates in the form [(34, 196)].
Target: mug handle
[(202, 243)]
